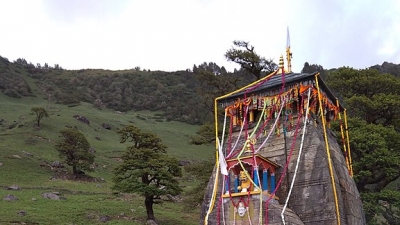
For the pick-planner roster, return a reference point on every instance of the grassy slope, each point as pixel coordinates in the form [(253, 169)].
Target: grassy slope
[(86, 201)]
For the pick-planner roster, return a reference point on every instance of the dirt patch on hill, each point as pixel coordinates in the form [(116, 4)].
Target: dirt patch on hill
[(62, 175)]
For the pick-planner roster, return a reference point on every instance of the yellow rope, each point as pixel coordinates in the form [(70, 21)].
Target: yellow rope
[(215, 188), (244, 169), (247, 86), (348, 142), (328, 152), (344, 143), (214, 192)]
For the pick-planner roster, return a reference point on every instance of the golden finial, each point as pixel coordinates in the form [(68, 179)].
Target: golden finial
[(281, 62), (249, 143)]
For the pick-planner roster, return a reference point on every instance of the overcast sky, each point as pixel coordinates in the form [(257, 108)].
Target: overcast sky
[(173, 35)]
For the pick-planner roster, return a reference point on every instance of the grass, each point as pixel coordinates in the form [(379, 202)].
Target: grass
[(24, 148)]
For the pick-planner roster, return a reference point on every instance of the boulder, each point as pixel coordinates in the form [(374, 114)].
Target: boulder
[(13, 125), (22, 213), (174, 198), (50, 195), (151, 222), (183, 162), (27, 154), (57, 164), (83, 119), (13, 187), (92, 150), (10, 197), (104, 218), (106, 126)]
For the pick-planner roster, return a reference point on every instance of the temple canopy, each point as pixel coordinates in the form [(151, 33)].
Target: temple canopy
[(273, 86), (257, 161)]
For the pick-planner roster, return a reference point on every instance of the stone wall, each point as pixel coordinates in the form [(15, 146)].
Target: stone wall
[(312, 201)]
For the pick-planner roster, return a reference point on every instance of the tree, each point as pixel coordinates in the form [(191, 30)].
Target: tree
[(213, 81), (146, 169), (243, 54), (376, 155), (74, 150), (40, 114), (370, 95), (373, 103), (311, 68), (200, 172)]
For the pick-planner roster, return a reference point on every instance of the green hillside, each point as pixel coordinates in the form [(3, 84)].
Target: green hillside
[(28, 152), (173, 105)]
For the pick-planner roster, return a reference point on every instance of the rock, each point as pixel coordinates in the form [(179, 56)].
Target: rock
[(82, 119), (106, 126), (57, 164), (1, 164), (34, 199), (10, 197), (12, 126), (92, 150), (27, 154), (13, 187), (104, 218), (174, 198), (183, 162), (383, 203), (151, 222), (50, 196), (22, 213), (91, 216), (17, 156), (98, 138)]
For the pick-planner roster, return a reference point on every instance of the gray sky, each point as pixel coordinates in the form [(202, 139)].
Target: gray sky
[(175, 34)]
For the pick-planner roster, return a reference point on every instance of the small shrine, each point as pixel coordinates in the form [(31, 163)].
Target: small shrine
[(247, 169)]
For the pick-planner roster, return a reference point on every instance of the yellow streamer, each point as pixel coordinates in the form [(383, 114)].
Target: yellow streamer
[(215, 189), (344, 144), (328, 152), (348, 142)]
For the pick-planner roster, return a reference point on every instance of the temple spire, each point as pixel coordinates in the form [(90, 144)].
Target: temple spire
[(288, 53)]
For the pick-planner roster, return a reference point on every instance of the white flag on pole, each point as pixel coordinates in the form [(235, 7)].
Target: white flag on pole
[(222, 162)]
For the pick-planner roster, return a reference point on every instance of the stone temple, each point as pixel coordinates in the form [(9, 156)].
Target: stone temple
[(278, 162)]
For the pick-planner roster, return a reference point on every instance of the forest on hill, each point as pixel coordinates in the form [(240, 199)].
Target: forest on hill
[(176, 94), (371, 96)]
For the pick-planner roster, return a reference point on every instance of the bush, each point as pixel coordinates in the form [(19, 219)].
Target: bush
[(12, 93)]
